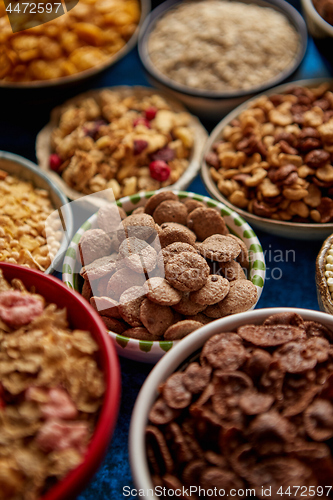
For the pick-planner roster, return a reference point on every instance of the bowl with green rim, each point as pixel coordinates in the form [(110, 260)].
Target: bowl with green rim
[(152, 351)]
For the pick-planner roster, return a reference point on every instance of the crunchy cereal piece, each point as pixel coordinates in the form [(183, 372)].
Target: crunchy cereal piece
[(140, 333), (93, 245), (175, 393), (180, 329), (158, 198), (114, 325), (129, 305), (318, 420), (241, 297), (171, 250), (156, 441), (201, 317), (284, 319), (137, 255), (243, 257), (224, 351), (158, 290), (192, 204), (109, 218), (155, 318), (196, 377), (187, 306), (206, 222), (173, 232), (232, 271), (170, 211), (254, 402), (187, 271), (161, 413), (122, 280), (86, 291), (214, 290), (271, 335), (140, 226), (108, 307), (220, 248), (295, 357), (99, 268)]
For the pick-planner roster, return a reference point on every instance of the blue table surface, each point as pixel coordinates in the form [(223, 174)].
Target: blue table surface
[(290, 277)]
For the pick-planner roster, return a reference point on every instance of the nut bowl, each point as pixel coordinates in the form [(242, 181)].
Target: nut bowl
[(187, 351), (209, 104), (152, 351), (80, 316), (287, 229), (323, 275), (44, 150), (28, 171)]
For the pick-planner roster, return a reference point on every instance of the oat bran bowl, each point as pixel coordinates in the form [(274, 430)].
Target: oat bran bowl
[(213, 414), (59, 387), (163, 308), (129, 139)]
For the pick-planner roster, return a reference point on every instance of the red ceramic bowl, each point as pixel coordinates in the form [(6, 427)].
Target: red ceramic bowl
[(80, 315)]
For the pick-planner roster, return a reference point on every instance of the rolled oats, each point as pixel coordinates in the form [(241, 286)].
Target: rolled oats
[(223, 46)]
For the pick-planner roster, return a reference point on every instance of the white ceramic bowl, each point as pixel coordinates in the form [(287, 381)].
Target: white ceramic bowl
[(294, 230), (170, 363), (317, 26), (213, 105), (28, 171), (43, 141), (148, 351)]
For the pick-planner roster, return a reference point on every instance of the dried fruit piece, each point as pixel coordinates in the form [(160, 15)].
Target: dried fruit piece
[(18, 309)]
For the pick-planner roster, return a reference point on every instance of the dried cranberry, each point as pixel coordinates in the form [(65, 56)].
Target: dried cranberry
[(2, 397), (141, 121), (93, 130), (139, 145), (159, 170), (150, 113), (55, 162), (165, 154)]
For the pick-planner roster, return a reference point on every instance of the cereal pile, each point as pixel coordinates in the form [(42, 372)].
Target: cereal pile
[(255, 411), (275, 159), (128, 143), (50, 393), (87, 36), (165, 270), (222, 46), (24, 210), (325, 9)]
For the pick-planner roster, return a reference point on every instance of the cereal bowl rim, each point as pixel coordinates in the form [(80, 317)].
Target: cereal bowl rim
[(43, 146), (298, 230), (152, 351), (170, 363), (71, 484), (281, 6), (81, 76), (317, 17), (32, 167)]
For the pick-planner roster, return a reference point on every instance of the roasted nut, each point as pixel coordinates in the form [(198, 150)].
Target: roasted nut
[(317, 158)]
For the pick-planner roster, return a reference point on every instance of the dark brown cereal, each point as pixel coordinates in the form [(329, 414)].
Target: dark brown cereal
[(187, 271), (86, 290), (122, 280), (224, 351), (158, 290), (181, 329), (140, 226), (174, 249), (106, 306), (285, 318), (140, 333), (161, 413), (93, 245), (241, 297), (318, 420), (158, 198), (201, 317), (114, 325), (159, 450), (137, 255), (232, 271), (215, 289), (271, 335), (219, 248), (98, 268), (205, 222), (192, 204), (170, 211), (109, 218), (175, 393), (173, 232), (243, 257), (155, 318), (196, 377), (129, 305), (187, 307)]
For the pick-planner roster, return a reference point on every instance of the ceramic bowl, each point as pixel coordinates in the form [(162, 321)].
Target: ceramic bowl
[(171, 362), (152, 351), (319, 29), (88, 74), (28, 171), (214, 105), (325, 299), (294, 230), (80, 316), (43, 143)]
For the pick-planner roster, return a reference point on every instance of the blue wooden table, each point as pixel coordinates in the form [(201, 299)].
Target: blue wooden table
[(290, 264)]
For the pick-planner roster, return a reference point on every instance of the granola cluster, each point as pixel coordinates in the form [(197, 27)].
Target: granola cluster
[(50, 393), (275, 159), (253, 411), (24, 210), (128, 143), (47, 48), (222, 46), (165, 270)]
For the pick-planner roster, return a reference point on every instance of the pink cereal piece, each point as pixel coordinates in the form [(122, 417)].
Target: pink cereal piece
[(57, 435), (18, 309), (59, 405)]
